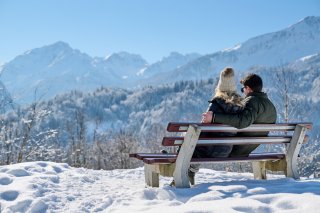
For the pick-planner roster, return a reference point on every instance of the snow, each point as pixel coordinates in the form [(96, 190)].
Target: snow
[(307, 57), (315, 91), (54, 187), (141, 72), (108, 56), (232, 48)]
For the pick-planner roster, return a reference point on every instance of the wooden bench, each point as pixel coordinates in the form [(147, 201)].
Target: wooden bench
[(176, 164)]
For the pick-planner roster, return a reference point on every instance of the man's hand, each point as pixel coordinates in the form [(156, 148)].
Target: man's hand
[(207, 117)]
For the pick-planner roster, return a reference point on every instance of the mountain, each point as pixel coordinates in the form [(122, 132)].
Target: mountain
[(272, 49), (44, 72), (123, 65), (47, 71)]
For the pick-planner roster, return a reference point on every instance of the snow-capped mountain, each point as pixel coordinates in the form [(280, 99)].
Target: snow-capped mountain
[(272, 49), (123, 65), (47, 71)]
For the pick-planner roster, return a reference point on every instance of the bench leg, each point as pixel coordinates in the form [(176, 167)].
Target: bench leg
[(151, 175), (293, 151), (180, 174), (278, 165), (167, 170), (259, 170)]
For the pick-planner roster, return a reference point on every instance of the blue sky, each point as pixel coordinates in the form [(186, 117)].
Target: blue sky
[(151, 28)]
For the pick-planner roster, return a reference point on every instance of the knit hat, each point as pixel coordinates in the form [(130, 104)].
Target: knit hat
[(227, 81)]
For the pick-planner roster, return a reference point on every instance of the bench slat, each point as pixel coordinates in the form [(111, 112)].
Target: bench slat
[(177, 141), (141, 156), (159, 160), (251, 157), (182, 127)]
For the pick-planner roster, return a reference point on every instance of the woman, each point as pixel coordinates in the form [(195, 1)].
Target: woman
[(225, 100)]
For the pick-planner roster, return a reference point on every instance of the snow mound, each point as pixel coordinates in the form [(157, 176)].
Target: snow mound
[(54, 187)]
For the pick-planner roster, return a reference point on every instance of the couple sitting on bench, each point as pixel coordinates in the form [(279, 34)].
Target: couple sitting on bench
[(229, 131), (228, 107)]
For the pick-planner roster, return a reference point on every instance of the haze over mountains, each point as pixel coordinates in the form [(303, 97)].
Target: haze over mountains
[(57, 68)]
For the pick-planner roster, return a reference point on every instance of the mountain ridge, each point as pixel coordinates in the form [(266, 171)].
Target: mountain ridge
[(270, 49)]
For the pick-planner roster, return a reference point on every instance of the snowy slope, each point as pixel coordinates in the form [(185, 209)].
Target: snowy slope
[(123, 65), (5, 99), (315, 92), (167, 64), (272, 49), (305, 73), (53, 187), (309, 69)]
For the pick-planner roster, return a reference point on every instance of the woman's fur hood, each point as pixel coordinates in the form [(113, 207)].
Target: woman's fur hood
[(230, 98)]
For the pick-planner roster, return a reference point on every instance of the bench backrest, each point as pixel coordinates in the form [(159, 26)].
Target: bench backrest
[(232, 139), (183, 127)]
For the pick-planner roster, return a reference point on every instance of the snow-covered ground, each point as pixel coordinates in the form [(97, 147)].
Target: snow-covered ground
[(53, 187)]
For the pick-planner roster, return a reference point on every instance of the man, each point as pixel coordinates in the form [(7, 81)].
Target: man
[(258, 110)]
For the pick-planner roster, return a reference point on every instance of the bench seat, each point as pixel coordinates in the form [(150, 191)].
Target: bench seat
[(252, 157)]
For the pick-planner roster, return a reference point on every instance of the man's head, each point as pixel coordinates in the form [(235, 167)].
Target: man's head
[(251, 83)]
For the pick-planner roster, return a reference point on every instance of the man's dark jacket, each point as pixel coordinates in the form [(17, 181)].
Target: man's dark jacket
[(258, 110)]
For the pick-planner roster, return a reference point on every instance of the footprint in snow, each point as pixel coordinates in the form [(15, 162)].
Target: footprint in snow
[(42, 164), (21, 206), (18, 172), (5, 181), (9, 195)]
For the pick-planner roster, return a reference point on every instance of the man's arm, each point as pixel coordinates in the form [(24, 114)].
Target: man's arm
[(240, 120)]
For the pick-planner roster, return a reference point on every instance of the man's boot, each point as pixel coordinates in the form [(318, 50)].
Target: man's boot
[(191, 176), (163, 151)]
